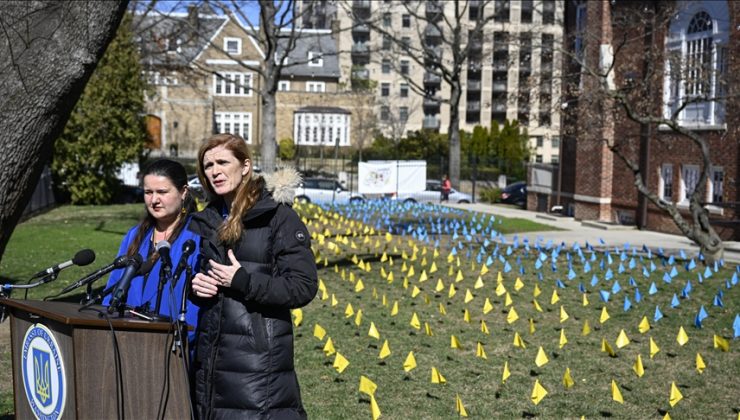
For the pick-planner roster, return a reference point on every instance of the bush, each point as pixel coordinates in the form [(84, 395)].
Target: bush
[(490, 195), (286, 149)]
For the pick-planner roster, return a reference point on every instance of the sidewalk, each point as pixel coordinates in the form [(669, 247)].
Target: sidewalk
[(600, 235)]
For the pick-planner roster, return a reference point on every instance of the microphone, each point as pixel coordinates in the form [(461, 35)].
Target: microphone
[(187, 250), (133, 265), (83, 257), (119, 262), (163, 247)]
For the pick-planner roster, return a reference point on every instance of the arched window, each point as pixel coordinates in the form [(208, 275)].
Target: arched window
[(696, 64)]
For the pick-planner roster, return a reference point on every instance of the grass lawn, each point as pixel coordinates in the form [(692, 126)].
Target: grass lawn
[(362, 266)]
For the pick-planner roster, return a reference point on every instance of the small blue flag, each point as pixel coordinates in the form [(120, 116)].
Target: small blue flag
[(616, 287), (736, 327), (658, 315), (652, 267), (609, 275), (645, 272), (581, 288), (701, 316), (560, 284), (734, 278), (666, 277), (674, 272), (653, 289), (671, 260), (507, 267), (571, 274), (604, 295), (627, 303), (633, 283), (594, 280), (586, 267), (674, 301), (691, 265), (638, 295), (632, 263), (620, 269), (538, 264), (707, 272), (718, 301)]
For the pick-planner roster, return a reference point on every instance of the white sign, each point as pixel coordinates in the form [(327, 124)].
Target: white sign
[(391, 176)]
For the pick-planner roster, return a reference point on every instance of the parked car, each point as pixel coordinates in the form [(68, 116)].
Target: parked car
[(195, 187), (433, 193), (515, 193), (325, 190)]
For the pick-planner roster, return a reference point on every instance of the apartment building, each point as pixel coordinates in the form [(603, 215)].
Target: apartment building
[(512, 72)]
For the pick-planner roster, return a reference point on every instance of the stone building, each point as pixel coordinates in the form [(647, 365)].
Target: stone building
[(688, 62)]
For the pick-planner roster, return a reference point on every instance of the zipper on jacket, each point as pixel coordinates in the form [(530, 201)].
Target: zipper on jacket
[(214, 352)]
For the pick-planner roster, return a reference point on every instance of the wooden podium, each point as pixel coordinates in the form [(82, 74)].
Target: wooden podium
[(86, 350)]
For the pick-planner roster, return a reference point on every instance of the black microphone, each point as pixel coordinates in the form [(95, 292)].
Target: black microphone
[(83, 257), (187, 250), (125, 282), (163, 247), (119, 262)]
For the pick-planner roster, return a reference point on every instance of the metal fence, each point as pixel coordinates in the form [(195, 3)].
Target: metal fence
[(43, 195)]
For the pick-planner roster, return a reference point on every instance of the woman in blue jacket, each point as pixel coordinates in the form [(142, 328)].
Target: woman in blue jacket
[(167, 218)]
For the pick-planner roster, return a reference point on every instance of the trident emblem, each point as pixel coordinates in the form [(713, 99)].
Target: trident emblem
[(42, 370)]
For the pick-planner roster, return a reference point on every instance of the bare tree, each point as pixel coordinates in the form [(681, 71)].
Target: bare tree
[(49, 50), (366, 126), (616, 84), (451, 35)]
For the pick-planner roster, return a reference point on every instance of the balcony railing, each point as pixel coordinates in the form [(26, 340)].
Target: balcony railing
[(434, 9), (432, 79), (474, 85), (430, 123), (361, 73), (360, 49), (431, 102), (473, 106), (361, 28), (432, 31), (500, 66), (498, 107), (499, 86)]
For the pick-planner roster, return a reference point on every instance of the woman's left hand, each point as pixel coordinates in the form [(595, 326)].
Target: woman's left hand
[(222, 273)]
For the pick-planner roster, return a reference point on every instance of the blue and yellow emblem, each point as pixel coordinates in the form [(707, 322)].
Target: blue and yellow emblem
[(43, 373)]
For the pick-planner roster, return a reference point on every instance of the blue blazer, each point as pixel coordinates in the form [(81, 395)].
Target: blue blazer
[(144, 288)]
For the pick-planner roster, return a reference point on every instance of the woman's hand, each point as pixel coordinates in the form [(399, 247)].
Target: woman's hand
[(222, 273), (204, 286)]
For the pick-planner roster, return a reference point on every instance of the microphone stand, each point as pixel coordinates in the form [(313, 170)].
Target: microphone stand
[(164, 277), (181, 331)]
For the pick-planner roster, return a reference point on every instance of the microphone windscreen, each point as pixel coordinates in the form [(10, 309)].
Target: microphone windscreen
[(162, 245), (188, 247), (84, 257)]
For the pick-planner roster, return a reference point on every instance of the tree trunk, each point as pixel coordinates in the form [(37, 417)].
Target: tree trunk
[(453, 132), (49, 49), (269, 144)]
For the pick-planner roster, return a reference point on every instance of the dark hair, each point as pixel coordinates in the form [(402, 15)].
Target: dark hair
[(176, 173), (247, 193)]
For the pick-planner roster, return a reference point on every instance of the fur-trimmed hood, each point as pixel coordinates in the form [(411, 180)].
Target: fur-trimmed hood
[(282, 184)]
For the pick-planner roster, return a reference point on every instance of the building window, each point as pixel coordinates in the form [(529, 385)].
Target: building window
[(315, 59), (538, 158), (315, 87), (540, 141), (526, 7), (403, 114), (385, 89), (501, 11), (555, 142), (386, 20), (321, 129), (238, 123), (386, 42), (233, 46), (232, 84), (405, 43), (548, 12), (385, 67), (555, 159), (284, 86), (696, 65), (404, 67), (717, 184), (406, 21), (689, 179), (404, 90), (666, 182), (385, 113)]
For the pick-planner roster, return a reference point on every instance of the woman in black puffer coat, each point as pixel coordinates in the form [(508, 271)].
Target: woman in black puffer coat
[(258, 265)]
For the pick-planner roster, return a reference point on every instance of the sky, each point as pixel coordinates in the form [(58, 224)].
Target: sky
[(250, 8)]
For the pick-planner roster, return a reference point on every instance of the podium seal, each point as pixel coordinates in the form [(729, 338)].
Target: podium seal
[(43, 373)]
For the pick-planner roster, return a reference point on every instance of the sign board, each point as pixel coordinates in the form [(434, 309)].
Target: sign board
[(392, 176)]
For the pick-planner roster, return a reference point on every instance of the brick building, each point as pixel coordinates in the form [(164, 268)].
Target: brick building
[(683, 72)]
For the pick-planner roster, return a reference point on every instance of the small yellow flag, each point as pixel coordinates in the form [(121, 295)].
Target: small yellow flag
[(654, 349), (487, 306), (334, 300), (507, 300), (606, 348), (374, 409), (340, 363), (537, 290), (622, 339), (468, 296), (518, 342), (512, 316), (410, 363), (433, 268), (415, 292), (518, 284), (373, 332), (348, 311), (500, 289), (483, 270), (531, 326), (675, 395), (567, 379), (537, 305), (440, 286), (298, 314), (415, 321), (423, 277), (638, 367), (428, 329), (319, 331), (358, 317), (359, 286), (466, 316), (484, 327), (385, 351), (437, 377), (616, 393), (442, 309), (604, 315), (644, 325), (499, 278), (700, 365), (563, 315), (390, 277), (721, 343), (459, 277), (682, 338), (329, 347), (586, 328), (554, 298), (459, 407), (411, 272), (563, 338), (480, 351), (479, 283), (455, 343), (394, 309), (541, 358), (668, 416), (538, 392), (451, 291), (585, 299), (388, 237), (367, 386), (505, 375)]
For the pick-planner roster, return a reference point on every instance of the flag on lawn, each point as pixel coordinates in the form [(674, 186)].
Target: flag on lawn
[(340, 363), (700, 365), (622, 339), (410, 363), (721, 343), (538, 392), (567, 379), (638, 367), (367, 386), (319, 331), (505, 375), (385, 351), (675, 396), (616, 393), (654, 349), (459, 407), (437, 377), (480, 351), (682, 338), (541, 358)]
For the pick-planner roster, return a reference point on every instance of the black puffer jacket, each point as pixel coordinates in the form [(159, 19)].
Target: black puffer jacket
[(244, 356)]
